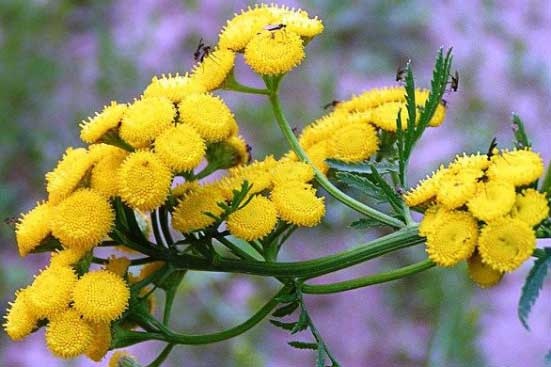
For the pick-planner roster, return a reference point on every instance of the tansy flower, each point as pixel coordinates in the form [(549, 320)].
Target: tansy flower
[(214, 69), (274, 52), (257, 174), (321, 129), (120, 357), (174, 88), (180, 147), (286, 171), (68, 335), (148, 269), (520, 167), (373, 98), (240, 149), (190, 215), (101, 178), (480, 273), (530, 207), (456, 188), (101, 296), (353, 142), (82, 220), (70, 170), (425, 190), (239, 30), (33, 227), (209, 115), (434, 216), (296, 21), (184, 188), (66, 257), (254, 221), (385, 115), (298, 204), (50, 292), (143, 181), (96, 127), (505, 243), (476, 161), (118, 265), (492, 199), (101, 332), (20, 320), (146, 119), (453, 239), (317, 154)]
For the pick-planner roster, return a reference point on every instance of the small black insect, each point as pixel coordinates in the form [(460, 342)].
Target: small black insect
[(295, 130), (493, 145), (201, 51), (333, 104), (454, 84), (11, 221), (401, 74), (275, 27)]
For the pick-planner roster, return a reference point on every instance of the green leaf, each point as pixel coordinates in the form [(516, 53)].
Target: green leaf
[(521, 138), (285, 310), (303, 345), (394, 200), (366, 223), (302, 323), (283, 325), (546, 186), (320, 356), (532, 286), (287, 298), (364, 167), (363, 184)]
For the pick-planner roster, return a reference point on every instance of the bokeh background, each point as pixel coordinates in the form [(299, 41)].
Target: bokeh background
[(60, 61)]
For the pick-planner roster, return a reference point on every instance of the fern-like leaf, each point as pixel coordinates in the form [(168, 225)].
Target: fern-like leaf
[(532, 286)]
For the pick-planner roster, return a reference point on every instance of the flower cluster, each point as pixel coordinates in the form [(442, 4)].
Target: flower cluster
[(482, 208)]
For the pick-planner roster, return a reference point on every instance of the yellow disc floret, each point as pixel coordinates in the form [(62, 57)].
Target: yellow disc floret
[(68, 335), (353, 142), (298, 204), (214, 69), (297, 21), (519, 167), (96, 127), (425, 190), (209, 115), (504, 244), (493, 199), (174, 88), (456, 188), (190, 215), (66, 257), (254, 221), (82, 220), (50, 292), (68, 174), (33, 227), (180, 147), (480, 273), (144, 181), (274, 52), (146, 119), (102, 177), (286, 171), (101, 296), (239, 30), (531, 207), (20, 320)]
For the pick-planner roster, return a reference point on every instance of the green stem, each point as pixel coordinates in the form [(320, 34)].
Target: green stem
[(546, 186), (235, 249), (163, 218), (162, 357), (320, 177), (210, 168), (170, 294), (232, 84), (155, 225), (368, 280)]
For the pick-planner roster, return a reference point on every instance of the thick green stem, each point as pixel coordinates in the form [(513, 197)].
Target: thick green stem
[(162, 357), (368, 280), (232, 84), (320, 177)]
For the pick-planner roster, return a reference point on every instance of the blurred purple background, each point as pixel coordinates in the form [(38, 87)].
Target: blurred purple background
[(61, 61)]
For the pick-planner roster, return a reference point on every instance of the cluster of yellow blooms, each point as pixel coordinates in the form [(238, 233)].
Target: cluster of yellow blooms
[(481, 208)]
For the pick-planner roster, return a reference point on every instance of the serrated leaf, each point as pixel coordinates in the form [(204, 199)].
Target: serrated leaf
[(361, 183), (364, 167), (521, 138), (285, 310), (301, 324), (283, 325), (366, 223), (532, 286), (303, 345)]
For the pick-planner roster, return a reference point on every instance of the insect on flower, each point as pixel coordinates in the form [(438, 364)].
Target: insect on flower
[(201, 51), (333, 104), (10, 221), (493, 146), (275, 27), (400, 74)]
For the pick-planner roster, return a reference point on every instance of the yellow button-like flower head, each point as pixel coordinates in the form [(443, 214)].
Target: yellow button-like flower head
[(66, 257), (254, 221), (20, 320), (239, 30), (214, 69), (145, 119), (101, 296), (286, 171), (353, 142), (530, 207), (317, 154), (506, 243), (492, 199), (174, 88), (454, 239), (82, 220), (144, 180), (298, 204), (67, 175), (274, 52), (33, 227), (425, 190), (480, 273), (110, 118), (209, 115), (456, 188), (68, 335), (190, 215), (297, 21), (101, 179), (50, 292), (519, 167), (180, 147)]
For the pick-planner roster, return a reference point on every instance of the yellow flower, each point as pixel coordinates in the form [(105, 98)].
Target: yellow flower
[(530, 207), (50, 292), (240, 149), (213, 70), (174, 88), (425, 190), (492, 199), (456, 188), (321, 129), (506, 243), (101, 343), (298, 204), (101, 296), (296, 21), (82, 220), (65, 178), (190, 215), (120, 357), (257, 175), (185, 187), (118, 265), (317, 154), (101, 178), (96, 127), (68, 335), (146, 119), (144, 181), (473, 161), (434, 216), (372, 98), (33, 227), (180, 147), (66, 257), (20, 320), (453, 239), (520, 167), (209, 115), (254, 221), (353, 142), (274, 52), (385, 115), (286, 171), (148, 269), (238, 31), (480, 273)]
